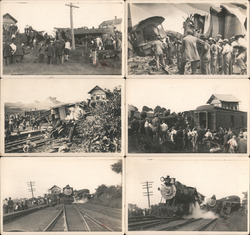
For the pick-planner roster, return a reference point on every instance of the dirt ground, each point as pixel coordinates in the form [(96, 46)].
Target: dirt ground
[(78, 64), (237, 221)]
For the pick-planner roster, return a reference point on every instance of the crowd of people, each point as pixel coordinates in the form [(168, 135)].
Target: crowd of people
[(17, 123), (213, 55), (53, 50), (9, 206), (187, 139)]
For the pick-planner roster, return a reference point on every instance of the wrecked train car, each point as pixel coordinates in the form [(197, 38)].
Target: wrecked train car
[(144, 34)]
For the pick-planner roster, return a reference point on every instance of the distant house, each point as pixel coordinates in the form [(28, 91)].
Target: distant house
[(98, 94), (8, 19), (117, 23), (55, 190), (224, 101)]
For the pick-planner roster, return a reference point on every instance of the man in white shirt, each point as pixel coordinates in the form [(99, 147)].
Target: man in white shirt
[(66, 50), (13, 52), (227, 57)]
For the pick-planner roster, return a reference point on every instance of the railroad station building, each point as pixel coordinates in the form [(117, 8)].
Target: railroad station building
[(98, 94), (117, 23), (224, 101), (55, 190)]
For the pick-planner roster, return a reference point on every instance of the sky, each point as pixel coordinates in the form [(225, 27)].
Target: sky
[(184, 94), (79, 173), (45, 15), (174, 14), (65, 90), (210, 177)]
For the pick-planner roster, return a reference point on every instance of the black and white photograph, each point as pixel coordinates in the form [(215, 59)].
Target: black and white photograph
[(188, 38), (62, 37), (187, 195), (38, 197), (187, 115), (62, 115)]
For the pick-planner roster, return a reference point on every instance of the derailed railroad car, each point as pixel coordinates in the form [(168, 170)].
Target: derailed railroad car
[(223, 206), (145, 33)]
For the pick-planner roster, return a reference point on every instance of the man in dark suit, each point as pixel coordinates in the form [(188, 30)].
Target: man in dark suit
[(50, 53)]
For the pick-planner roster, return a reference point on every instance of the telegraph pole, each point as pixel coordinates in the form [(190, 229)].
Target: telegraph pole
[(147, 185), (31, 188), (71, 24)]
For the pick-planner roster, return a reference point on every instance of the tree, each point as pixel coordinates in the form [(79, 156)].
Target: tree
[(100, 190), (146, 109), (117, 167)]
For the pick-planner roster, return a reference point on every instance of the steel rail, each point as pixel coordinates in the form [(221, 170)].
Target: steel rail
[(101, 225), (204, 226), (177, 226), (53, 222), (84, 220), (65, 221)]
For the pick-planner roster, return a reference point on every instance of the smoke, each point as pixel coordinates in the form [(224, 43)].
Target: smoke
[(81, 201), (197, 212)]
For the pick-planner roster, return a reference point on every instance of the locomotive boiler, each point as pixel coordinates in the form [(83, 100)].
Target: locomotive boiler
[(178, 198), (67, 195)]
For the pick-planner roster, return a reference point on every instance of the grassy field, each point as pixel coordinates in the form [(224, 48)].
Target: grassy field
[(78, 64)]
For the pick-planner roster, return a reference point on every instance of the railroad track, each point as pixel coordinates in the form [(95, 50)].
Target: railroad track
[(71, 218), (199, 224), (17, 145), (151, 223), (146, 222)]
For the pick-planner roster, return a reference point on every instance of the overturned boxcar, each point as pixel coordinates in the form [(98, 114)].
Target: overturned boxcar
[(144, 34)]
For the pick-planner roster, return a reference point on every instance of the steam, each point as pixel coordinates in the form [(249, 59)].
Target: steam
[(197, 212), (81, 201)]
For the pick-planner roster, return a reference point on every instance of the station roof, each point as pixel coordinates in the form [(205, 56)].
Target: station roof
[(222, 97), (111, 22), (7, 15), (96, 88)]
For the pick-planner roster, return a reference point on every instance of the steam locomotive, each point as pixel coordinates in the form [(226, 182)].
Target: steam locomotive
[(67, 195), (223, 206), (178, 199)]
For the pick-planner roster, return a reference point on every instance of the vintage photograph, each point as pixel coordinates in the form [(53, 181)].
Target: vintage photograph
[(187, 38), (187, 115), (187, 195), (62, 37), (62, 115), (36, 199)]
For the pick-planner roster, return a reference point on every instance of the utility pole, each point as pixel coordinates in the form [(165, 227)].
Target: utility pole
[(71, 24), (31, 188), (147, 185)]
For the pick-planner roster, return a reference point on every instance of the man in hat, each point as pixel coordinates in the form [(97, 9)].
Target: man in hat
[(205, 56), (190, 52), (214, 55), (227, 57), (240, 45)]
